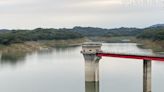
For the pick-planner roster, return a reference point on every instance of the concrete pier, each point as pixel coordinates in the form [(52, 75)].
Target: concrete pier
[(147, 76), (89, 51), (92, 54)]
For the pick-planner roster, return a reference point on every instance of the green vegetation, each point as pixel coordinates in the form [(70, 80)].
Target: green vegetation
[(19, 36), (153, 38), (91, 31), (15, 52), (152, 34), (28, 47), (157, 46), (61, 37), (24, 42)]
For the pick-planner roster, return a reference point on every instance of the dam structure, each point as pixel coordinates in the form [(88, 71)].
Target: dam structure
[(92, 54), (89, 51)]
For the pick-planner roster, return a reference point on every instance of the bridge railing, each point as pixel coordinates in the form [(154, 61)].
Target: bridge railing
[(156, 57)]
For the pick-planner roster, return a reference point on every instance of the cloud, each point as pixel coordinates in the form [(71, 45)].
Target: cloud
[(14, 2), (69, 13)]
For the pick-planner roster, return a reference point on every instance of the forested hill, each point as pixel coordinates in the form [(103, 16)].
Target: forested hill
[(91, 31), (4, 30), (17, 36), (153, 33), (157, 26)]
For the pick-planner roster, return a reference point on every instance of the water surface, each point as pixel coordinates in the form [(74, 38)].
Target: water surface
[(62, 70)]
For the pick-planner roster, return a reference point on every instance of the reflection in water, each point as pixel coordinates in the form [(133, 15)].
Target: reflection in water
[(45, 51), (91, 86), (12, 58), (65, 49), (62, 70)]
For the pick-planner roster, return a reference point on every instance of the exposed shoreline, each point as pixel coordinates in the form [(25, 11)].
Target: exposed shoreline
[(156, 46), (30, 46)]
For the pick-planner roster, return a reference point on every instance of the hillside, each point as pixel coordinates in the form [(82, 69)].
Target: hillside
[(18, 36), (123, 31), (153, 38), (4, 30), (157, 25), (91, 31), (153, 33)]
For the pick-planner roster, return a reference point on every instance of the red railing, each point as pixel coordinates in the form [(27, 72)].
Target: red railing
[(143, 57)]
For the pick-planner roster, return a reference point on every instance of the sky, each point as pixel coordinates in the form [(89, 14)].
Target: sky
[(29, 14)]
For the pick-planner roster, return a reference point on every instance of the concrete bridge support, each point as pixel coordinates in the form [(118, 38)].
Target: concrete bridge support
[(147, 76), (89, 51)]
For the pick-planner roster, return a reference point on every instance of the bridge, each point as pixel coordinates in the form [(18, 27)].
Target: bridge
[(92, 54)]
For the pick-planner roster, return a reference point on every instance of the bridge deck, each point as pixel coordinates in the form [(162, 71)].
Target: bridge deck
[(132, 56)]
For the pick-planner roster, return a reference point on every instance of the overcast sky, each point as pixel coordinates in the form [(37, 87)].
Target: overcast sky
[(31, 14)]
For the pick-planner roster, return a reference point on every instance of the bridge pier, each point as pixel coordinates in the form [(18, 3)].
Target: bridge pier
[(89, 51), (147, 76)]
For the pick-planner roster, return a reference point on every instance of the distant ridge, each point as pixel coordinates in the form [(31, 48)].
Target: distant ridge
[(4, 30), (157, 25), (96, 31)]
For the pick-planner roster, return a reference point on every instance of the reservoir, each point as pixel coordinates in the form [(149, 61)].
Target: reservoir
[(61, 69)]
